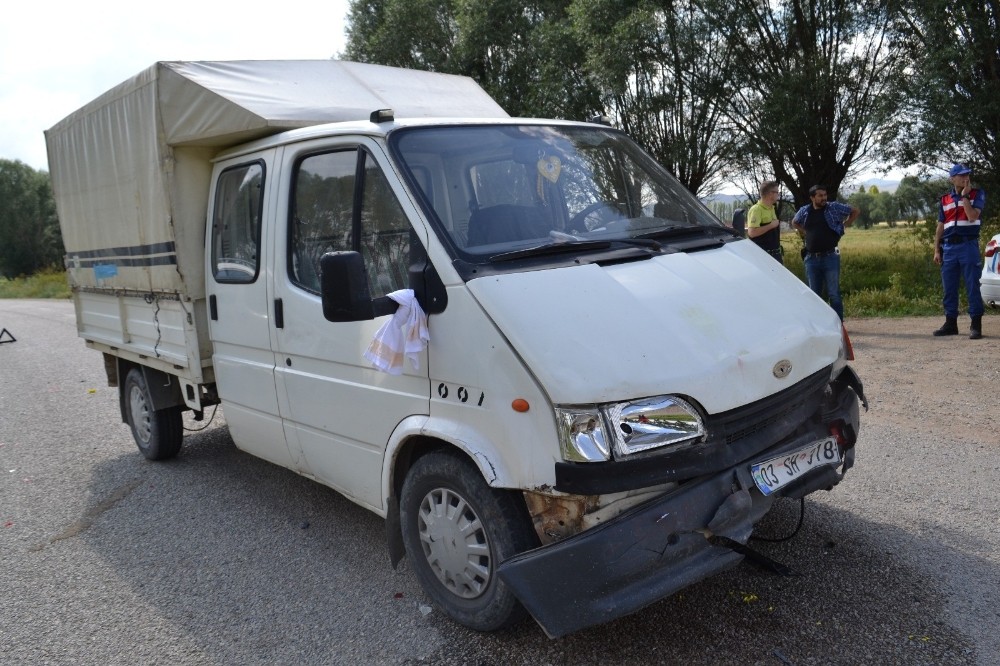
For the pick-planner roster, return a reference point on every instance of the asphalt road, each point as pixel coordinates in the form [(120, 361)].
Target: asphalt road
[(220, 558)]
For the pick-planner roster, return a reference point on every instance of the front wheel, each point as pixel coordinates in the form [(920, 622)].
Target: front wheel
[(457, 531), (157, 433)]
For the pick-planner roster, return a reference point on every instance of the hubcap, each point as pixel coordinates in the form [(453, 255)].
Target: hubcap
[(455, 543), (139, 409)]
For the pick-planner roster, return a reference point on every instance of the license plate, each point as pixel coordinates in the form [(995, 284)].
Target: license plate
[(771, 475)]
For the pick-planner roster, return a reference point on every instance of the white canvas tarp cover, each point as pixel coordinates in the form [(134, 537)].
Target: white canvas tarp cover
[(131, 169)]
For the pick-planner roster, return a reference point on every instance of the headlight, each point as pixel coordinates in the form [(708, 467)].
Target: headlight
[(581, 435), (653, 422), (587, 434)]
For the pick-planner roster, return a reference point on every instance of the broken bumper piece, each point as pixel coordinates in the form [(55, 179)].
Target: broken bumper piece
[(635, 559)]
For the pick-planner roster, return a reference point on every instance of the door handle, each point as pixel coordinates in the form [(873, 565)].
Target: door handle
[(213, 308), (279, 313)]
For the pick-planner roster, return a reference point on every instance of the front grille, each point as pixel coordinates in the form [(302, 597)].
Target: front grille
[(775, 416)]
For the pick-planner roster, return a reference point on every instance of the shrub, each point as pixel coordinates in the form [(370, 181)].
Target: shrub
[(49, 283)]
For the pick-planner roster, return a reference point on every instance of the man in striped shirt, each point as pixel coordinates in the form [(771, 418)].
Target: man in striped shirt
[(956, 250)]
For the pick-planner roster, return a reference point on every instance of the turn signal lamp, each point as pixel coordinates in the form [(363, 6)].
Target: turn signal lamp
[(848, 347), (520, 405)]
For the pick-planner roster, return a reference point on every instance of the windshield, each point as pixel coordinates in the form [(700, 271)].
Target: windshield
[(500, 191)]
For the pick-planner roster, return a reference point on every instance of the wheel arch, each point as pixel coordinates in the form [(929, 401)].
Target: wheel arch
[(416, 437), (164, 388)]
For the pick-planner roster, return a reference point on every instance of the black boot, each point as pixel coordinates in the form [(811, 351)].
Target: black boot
[(976, 329), (950, 327)]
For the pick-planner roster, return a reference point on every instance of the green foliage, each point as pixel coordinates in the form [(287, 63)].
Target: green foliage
[(954, 88), (428, 29), (666, 80), (29, 229), (525, 56), (815, 87), (886, 272), (864, 201), (724, 210), (48, 283), (916, 198), (655, 67), (884, 208)]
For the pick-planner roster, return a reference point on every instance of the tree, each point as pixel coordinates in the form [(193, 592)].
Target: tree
[(664, 74), (417, 34), (864, 202), (525, 55), (955, 85), (884, 208), (917, 199), (818, 86), (29, 229), (649, 65)]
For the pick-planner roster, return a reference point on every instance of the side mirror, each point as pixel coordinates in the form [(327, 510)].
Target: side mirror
[(344, 287)]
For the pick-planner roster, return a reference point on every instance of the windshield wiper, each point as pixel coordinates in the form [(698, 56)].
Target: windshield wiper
[(671, 230), (574, 246), (551, 248)]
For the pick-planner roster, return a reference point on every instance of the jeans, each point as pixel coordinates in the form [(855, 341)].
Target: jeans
[(824, 273), (961, 261)]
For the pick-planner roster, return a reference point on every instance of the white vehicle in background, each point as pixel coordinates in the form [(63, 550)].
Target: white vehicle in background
[(989, 281), (616, 386)]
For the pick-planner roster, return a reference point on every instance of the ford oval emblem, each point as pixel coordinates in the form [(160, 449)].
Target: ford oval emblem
[(782, 368)]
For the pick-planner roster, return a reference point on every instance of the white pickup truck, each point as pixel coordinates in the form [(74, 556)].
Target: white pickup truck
[(615, 388)]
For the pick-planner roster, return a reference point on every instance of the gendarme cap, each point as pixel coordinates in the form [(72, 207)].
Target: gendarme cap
[(958, 170)]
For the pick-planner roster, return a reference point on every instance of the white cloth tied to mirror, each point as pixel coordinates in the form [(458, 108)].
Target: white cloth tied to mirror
[(403, 336)]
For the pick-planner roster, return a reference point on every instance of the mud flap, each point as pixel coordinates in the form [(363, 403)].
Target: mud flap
[(394, 532)]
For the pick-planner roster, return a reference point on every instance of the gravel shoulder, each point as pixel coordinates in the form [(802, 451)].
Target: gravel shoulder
[(929, 461), (947, 385)]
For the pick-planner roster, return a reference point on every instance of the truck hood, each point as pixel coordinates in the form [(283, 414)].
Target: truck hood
[(717, 326)]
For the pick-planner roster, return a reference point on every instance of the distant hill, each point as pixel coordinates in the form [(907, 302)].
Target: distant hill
[(724, 198), (884, 185)]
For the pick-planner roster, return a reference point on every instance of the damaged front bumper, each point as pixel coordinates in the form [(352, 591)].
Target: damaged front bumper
[(668, 543)]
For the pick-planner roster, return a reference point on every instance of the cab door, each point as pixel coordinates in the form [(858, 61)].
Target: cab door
[(240, 309), (340, 411)]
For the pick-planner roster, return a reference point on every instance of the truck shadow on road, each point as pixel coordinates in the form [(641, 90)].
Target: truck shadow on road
[(259, 565)]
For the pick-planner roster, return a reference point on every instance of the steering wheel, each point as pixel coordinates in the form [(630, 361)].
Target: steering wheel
[(609, 212)]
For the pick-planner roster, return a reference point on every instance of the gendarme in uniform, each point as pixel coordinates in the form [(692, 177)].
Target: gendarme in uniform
[(956, 250)]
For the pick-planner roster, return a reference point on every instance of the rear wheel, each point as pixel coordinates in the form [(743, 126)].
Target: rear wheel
[(457, 531), (157, 433)]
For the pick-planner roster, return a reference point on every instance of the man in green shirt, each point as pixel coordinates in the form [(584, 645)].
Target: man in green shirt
[(763, 226)]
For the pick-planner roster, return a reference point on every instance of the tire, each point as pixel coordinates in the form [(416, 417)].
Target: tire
[(158, 434), (457, 530)]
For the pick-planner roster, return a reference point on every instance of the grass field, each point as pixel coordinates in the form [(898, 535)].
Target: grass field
[(47, 284), (885, 272)]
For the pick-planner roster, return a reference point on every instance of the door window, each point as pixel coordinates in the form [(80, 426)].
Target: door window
[(322, 213), (325, 219), (236, 224), (385, 234)]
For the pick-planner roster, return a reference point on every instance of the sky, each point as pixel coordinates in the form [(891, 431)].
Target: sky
[(57, 56)]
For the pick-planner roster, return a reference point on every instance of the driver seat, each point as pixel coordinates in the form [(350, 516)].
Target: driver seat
[(506, 222)]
